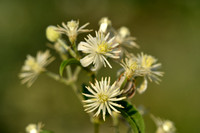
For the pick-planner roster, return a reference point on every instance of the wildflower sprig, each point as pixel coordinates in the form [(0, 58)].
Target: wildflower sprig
[(100, 98)]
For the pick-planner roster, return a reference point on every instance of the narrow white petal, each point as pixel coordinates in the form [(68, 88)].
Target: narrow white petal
[(87, 60)]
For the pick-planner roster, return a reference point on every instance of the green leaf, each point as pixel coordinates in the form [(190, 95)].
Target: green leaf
[(67, 62), (46, 131), (133, 117)]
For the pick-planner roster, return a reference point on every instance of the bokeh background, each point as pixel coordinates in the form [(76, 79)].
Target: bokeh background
[(167, 29)]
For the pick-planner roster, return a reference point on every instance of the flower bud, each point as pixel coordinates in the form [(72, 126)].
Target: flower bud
[(51, 34), (124, 32), (104, 23)]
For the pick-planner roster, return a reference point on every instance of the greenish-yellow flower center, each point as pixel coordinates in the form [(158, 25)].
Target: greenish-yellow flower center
[(72, 25), (103, 48), (102, 97), (147, 61), (131, 68), (34, 65), (167, 126)]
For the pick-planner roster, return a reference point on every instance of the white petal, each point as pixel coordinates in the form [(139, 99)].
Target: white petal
[(87, 60), (142, 88)]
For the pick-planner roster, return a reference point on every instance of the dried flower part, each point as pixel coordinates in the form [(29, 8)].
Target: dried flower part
[(103, 97), (149, 66), (51, 34), (34, 128), (129, 89), (164, 126), (104, 24), (127, 85), (72, 29), (124, 38), (97, 49), (34, 66)]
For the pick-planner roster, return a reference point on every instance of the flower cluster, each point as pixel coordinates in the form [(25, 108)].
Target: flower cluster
[(142, 65), (101, 98)]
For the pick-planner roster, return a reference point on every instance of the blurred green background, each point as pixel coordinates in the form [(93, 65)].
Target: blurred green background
[(167, 29)]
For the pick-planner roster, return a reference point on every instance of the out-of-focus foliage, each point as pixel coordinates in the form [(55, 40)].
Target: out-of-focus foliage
[(167, 29)]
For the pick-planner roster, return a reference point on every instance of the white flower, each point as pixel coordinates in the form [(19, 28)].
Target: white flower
[(103, 97), (124, 38), (97, 49), (34, 66), (72, 29), (104, 24), (34, 128), (164, 126), (149, 67)]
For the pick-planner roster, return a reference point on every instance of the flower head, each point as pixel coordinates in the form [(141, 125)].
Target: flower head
[(124, 38), (149, 67), (71, 29), (97, 49), (103, 97), (34, 66), (34, 128), (164, 126)]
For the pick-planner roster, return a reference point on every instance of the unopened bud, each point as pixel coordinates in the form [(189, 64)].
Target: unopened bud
[(124, 32), (104, 23), (51, 34)]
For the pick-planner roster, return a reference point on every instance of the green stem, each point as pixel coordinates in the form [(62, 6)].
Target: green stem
[(69, 82), (76, 72), (77, 91), (69, 72), (72, 53), (96, 127), (115, 118), (58, 78), (75, 48)]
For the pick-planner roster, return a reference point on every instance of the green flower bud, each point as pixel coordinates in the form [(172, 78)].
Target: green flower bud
[(51, 34)]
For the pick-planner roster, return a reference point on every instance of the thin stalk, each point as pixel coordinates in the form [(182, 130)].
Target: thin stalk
[(96, 127), (58, 78), (76, 72), (75, 49), (69, 72), (115, 118), (69, 82), (72, 53)]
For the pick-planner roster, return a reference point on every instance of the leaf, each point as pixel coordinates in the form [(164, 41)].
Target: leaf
[(67, 62), (133, 117)]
